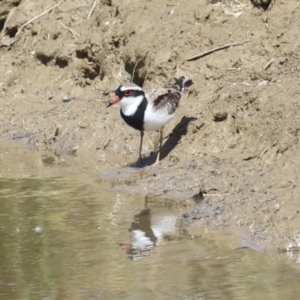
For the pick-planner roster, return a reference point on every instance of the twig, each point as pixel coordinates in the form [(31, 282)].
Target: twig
[(215, 50), (132, 75), (67, 111), (295, 8), (36, 17), (91, 11), (15, 38), (106, 144), (67, 80), (266, 149), (268, 64), (73, 32), (118, 79)]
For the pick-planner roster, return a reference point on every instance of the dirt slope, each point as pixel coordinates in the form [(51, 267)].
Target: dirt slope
[(235, 135)]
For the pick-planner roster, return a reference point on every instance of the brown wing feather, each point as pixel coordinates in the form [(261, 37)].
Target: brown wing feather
[(168, 101), (168, 98)]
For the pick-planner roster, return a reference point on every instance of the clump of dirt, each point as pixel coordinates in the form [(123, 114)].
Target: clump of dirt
[(235, 136)]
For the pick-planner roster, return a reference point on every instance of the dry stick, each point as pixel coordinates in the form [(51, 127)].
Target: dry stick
[(36, 17), (132, 75), (294, 8), (91, 11), (268, 64), (118, 79), (15, 38), (215, 50)]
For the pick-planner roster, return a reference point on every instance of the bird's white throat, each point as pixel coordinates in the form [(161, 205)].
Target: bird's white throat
[(129, 105)]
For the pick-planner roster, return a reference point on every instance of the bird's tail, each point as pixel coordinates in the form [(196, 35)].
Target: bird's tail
[(181, 84)]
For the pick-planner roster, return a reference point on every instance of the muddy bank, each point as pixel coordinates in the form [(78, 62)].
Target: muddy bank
[(235, 136)]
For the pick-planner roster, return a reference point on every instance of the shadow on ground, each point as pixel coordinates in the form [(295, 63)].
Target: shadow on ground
[(179, 130)]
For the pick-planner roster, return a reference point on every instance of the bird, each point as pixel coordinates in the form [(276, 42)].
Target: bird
[(149, 109)]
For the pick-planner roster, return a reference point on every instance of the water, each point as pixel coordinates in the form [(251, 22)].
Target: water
[(64, 240)]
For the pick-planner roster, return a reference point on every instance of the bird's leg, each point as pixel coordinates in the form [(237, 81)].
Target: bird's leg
[(141, 144), (160, 144)]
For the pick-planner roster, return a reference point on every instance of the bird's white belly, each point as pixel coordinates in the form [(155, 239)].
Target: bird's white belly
[(156, 120)]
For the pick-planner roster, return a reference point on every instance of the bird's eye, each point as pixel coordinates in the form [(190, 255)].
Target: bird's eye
[(127, 93)]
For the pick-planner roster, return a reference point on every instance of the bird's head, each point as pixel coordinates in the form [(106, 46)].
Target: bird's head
[(127, 94)]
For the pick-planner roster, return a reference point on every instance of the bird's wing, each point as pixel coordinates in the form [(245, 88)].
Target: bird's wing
[(164, 98)]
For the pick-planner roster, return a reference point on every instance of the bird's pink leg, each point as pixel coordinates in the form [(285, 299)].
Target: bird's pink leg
[(141, 145)]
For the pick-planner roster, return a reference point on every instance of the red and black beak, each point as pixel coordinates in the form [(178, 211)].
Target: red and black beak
[(115, 100)]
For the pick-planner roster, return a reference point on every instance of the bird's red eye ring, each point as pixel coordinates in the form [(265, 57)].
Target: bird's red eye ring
[(127, 93)]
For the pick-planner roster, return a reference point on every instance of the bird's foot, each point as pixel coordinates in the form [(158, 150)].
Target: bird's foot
[(146, 162), (157, 162)]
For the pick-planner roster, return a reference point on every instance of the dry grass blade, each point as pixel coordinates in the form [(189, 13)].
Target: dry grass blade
[(15, 38), (215, 50), (268, 64), (295, 7), (73, 32), (133, 72), (91, 11), (36, 17), (118, 78)]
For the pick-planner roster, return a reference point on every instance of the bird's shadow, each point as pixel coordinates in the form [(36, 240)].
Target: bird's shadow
[(174, 137)]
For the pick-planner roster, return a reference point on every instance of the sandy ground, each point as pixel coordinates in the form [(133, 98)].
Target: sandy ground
[(235, 135)]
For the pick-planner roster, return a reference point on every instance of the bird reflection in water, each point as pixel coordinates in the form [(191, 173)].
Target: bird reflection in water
[(149, 229)]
